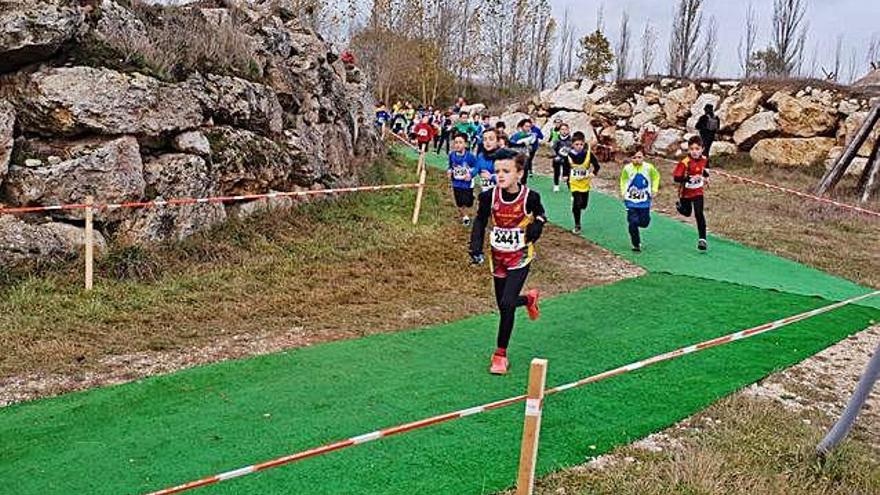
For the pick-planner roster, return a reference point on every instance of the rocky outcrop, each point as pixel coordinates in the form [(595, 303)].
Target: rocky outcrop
[(7, 122), (110, 170), (167, 177), (46, 241), (739, 107), (723, 148), (678, 104), (697, 109), (850, 128), (793, 152), (803, 117), (32, 31), (63, 101), (756, 128), (668, 142), (577, 121), (94, 118)]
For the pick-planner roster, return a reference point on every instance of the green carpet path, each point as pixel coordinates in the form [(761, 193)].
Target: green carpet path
[(165, 430)]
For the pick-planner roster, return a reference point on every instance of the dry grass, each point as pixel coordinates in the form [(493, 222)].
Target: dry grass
[(334, 270), (740, 446)]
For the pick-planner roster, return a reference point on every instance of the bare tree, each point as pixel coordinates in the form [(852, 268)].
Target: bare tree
[(814, 61), (686, 56), (789, 33), (649, 49), (710, 49), (566, 53), (838, 59), (873, 53), (623, 47), (747, 43), (852, 70), (600, 17)]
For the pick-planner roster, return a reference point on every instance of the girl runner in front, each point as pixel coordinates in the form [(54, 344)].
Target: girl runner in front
[(518, 220)]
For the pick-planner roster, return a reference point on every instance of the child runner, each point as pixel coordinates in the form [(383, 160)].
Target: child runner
[(561, 148), (486, 160), (424, 133), (462, 169), (691, 175), (501, 129), (465, 126), (526, 140), (445, 133), (383, 118), (517, 223), (639, 184), (584, 166)]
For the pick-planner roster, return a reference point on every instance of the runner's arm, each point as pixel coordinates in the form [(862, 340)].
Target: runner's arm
[(595, 164), (478, 230), (536, 209)]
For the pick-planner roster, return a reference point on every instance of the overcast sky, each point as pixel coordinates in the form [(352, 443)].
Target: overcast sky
[(856, 20)]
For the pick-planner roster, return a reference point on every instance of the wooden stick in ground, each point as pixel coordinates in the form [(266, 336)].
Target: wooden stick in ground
[(525, 480), (419, 194), (835, 173), (869, 183), (90, 242), (421, 162)]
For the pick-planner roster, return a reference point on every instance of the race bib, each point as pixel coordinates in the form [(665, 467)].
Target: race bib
[(694, 182), (508, 240), (636, 195), (564, 151), (579, 173), (460, 173)]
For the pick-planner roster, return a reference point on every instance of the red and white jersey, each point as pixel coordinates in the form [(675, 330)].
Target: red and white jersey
[(508, 238)]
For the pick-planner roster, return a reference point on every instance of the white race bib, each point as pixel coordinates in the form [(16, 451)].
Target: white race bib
[(508, 240), (694, 182), (460, 173), (579, 173), (636, 195)]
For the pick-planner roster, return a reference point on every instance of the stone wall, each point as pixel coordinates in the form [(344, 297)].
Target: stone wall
[(69, 129)]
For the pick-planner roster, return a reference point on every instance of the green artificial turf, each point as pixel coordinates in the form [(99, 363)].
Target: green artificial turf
[(670, 247), (166, 430)]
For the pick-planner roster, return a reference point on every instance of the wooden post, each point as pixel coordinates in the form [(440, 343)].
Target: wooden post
[(90, 242), (869, 182), (835, 173), (419, 193), (421, 165), (528, 456)]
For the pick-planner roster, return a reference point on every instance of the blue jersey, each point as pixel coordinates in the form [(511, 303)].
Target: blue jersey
[(463, 168), (484, 164)]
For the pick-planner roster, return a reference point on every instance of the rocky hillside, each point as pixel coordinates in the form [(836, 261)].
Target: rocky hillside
[(784, 124), (128, 102)]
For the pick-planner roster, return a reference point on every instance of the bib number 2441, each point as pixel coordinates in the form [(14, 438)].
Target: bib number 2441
[(508, 240)]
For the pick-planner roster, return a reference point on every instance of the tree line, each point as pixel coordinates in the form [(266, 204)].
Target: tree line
[(434, 50)]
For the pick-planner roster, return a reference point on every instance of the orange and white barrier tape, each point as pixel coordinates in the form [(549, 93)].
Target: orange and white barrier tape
[(404, 141), (193, 201), (532, 407), (796, 193)]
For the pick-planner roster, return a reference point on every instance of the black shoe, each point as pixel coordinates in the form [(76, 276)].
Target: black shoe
[(576, 230), (637, 249), (702, 245)]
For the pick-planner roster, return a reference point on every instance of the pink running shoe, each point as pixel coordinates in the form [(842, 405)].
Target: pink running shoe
[(499, 365)]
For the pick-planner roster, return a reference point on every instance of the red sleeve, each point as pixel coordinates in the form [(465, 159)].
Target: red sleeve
[(679, 170)]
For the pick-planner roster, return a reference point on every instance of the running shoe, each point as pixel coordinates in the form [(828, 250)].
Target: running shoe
[(637, 249), (466, 221), (532, 304), (499, 365), (576, 231), (702, 245), (555, 188)]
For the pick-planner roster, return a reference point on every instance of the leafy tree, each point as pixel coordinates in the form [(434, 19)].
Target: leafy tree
[(595, 55)]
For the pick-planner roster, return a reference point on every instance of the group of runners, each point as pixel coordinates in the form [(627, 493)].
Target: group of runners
[(499, 166)]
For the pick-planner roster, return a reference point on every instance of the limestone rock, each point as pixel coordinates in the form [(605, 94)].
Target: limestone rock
[(850, 128), (857, 166), (739, 107), (32, 31), (475, 109), (63, 101), (239, 103), (723, 148), (173, 176), (803, 117), (757, 127), (678, 103), (193, 142), (512, 119), (650, 114), (626, 140), (652, 95), (21, 241), (110, 170), (577, 121), (7, 122), (792, 152), (667, 142)]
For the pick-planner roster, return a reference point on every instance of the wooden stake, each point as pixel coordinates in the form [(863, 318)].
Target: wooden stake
[(835, 173), (869, 182), (528, 456), (419, 193), (90, 242), (421, 162)]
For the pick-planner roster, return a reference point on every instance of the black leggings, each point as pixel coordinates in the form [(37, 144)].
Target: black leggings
[(560, 169), (507, 295), (579, 202), (695, 205), (440, 140)]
